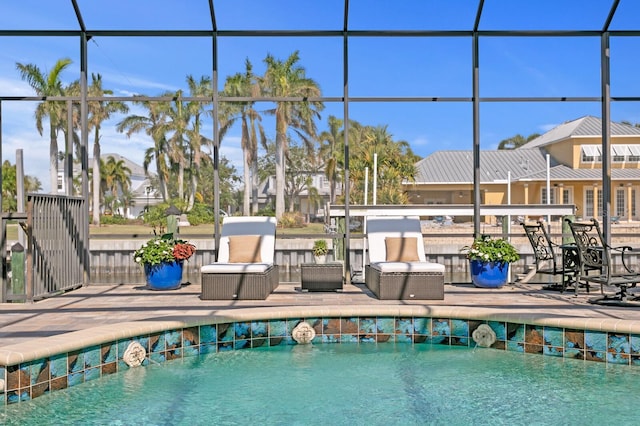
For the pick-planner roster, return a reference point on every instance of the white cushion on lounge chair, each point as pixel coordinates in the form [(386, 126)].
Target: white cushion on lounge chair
[(235, 268), (249, 225), (264, 226), (397, 276), (391, 267), (381, 227)]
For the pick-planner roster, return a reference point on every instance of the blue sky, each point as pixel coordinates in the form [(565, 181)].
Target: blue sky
[(434, 67)]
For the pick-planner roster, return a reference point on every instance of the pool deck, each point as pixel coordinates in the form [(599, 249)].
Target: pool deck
[(106, 309)]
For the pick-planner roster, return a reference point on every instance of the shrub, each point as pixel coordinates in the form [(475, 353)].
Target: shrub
[(292, 220), (200, 213), (112, 220), (266, 211)]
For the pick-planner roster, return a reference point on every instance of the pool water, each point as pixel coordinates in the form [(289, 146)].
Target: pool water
[(348, 384)]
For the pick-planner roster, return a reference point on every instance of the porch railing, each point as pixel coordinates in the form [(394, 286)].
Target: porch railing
[(57, 247)]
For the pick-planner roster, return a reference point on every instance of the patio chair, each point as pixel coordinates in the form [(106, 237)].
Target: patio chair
[(594, 253), (245, 268), (553, 259), (398, 269)]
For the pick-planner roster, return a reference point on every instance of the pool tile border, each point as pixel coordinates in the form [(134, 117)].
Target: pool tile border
[(46, 365)]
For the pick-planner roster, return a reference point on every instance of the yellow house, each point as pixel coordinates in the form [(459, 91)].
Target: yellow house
[(568, 156)]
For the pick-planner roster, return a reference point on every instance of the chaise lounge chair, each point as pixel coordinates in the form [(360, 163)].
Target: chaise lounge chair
[(398, 269), (245, 267)]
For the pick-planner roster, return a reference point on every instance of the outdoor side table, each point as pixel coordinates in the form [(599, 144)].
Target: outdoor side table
[(321, 276)]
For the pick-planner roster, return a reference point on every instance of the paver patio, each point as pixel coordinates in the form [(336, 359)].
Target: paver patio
[(99, 305)]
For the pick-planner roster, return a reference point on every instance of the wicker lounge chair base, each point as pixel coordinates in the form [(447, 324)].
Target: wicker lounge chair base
[(234, 286), (405, 286)]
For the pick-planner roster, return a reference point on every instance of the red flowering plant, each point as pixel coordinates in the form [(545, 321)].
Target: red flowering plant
[(163, 249)]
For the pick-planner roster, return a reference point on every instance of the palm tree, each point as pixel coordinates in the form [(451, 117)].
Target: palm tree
[(153, 125), (98, 112), (516, 141), (126, 201), (332, 151), (32, 184), (314, 200), (396, 163), (201, 88), (176, 127), (287, 79), (48, 85), (240, 85), (117, 178)]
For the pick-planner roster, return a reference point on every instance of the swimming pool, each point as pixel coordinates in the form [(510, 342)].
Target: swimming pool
[(371, 384), (55, 363)]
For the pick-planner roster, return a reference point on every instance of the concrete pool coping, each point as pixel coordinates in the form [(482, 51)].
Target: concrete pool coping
[(100, 313)]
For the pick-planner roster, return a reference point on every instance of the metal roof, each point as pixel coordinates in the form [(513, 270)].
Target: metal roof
[(583, 126), (564, 173), (457, 166), (525, 163)]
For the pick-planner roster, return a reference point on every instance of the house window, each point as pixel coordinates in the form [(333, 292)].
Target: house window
[(590, 153), (567, 195), (544, 196), (589, 203), (60, 184), (634, 153), (599, 202), (633, 203), (619, 153), (564, 195), (620, 202), (324, 182)]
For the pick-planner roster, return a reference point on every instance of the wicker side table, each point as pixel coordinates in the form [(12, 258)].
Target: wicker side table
[(321, 276)]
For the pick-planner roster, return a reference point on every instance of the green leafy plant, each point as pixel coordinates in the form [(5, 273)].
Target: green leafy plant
[(488, 249), (320, 248), (201, 213), (162, 249), (291, 220)]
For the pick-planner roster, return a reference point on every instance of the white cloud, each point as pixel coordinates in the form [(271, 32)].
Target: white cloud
[(420, 141), (130, 81), (35, 152), (14, 87), (231, 148)]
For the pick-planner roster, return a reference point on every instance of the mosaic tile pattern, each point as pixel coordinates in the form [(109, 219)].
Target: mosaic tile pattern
[(35, 378)]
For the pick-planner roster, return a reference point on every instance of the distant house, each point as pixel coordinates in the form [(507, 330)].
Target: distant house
[(575, 171), (319, 181), (142, 191)]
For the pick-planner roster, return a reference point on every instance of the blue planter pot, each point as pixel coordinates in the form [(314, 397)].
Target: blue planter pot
[(489, 274), (165, 276)]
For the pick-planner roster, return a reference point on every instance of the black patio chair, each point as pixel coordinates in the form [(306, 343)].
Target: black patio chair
[(594, 253), (553, 259)]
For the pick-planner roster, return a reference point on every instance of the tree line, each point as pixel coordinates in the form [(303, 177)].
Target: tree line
[(177, 147)]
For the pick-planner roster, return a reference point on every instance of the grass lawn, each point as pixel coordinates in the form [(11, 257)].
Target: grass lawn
[(139, 230), (142, 230)]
